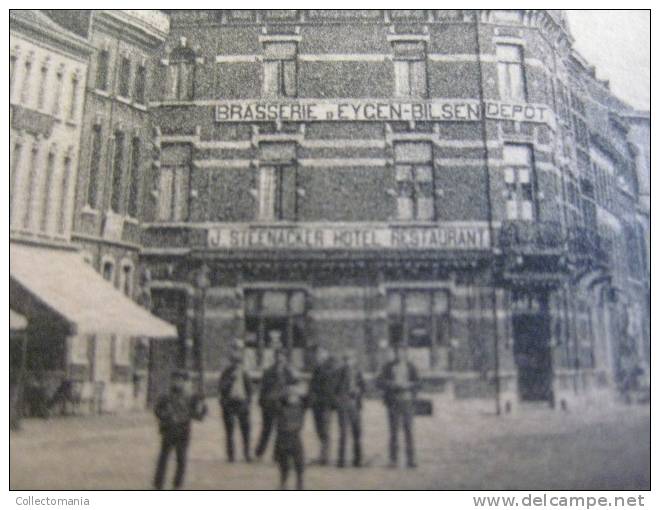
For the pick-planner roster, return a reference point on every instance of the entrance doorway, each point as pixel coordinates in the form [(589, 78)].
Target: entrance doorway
[(533, 356)]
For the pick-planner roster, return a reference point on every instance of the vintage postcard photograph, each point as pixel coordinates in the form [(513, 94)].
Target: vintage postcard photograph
[(326, 249)]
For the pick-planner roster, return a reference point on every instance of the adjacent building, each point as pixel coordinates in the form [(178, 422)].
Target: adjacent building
[(79, 328)]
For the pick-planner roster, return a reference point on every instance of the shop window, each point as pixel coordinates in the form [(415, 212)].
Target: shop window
[(134, 181), (410, 69), (79, 347), (181, 74), (125, 77), (280, 70), (418, 318), (519, 182), (121, 350), (140, 84), (275, 317), (277, 193), (117, 172), (415, 183), (510, 72), (174, 182), (94, 167), (102, 69)]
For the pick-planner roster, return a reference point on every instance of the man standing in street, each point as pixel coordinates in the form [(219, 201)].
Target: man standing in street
[(400, 381), (322, 399), (175, 411), (349, 390), (235, 397), (273, 387)]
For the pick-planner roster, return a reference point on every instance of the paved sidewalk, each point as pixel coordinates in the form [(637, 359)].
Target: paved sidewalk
[(460, 447)]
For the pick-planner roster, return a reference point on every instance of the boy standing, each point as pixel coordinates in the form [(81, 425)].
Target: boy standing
[(288, 443)]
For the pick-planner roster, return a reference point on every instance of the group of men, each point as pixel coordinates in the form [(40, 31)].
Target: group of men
[(336, 387)]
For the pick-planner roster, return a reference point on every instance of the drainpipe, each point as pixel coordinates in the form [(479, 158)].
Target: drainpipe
[(484, 134)]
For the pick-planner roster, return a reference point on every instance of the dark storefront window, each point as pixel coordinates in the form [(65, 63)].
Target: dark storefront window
[(134, 182), (275, 317), (418, 318)]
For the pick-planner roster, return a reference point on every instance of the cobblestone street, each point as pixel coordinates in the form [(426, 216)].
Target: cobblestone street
[(460, 447)]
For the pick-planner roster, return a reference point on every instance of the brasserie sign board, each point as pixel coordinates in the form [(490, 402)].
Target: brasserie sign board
[(341, 110), (446, 236)]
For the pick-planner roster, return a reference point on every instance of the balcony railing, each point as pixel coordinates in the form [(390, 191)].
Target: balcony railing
[(528, 236)]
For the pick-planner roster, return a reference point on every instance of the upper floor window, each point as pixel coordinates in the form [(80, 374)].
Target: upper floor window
[(125, 77), (102, 70), (64, 195), (108, 270), (174, 182), (277, 192), (27, 79), (49, 192), (134, 180), (414, 177), (31, 190), (140, 84), (43, 81), (59, 84), (13, 179), (519, 182), (13, 59), (181, 74), (73, 107), (126, 278), (94, 167), (280, 69), (117, 172), (510, 72), (410, 69)]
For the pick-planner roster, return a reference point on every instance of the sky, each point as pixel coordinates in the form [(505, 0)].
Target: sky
[(618, 43)]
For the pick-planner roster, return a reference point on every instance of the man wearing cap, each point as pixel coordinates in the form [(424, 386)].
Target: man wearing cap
[(322, 399), (175, 411), (273, 387), (235, 395), (349, 389), (400, 381)]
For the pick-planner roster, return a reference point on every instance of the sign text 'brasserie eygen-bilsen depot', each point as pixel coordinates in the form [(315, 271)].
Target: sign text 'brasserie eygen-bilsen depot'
[(341, 110)]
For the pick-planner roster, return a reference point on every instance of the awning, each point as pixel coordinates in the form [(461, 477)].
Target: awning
[(63, 282), (16, 321)]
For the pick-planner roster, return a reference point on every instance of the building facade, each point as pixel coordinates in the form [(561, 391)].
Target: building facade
[(459, 182), (82, 334)]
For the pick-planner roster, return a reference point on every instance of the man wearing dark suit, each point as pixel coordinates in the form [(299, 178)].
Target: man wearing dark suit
[(175, 411), (400, 382), (235, 397), (322, 400), (273, 387), (348, 391)]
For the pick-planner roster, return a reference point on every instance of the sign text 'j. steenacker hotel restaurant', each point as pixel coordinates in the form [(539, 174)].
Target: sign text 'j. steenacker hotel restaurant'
[(361, 179)]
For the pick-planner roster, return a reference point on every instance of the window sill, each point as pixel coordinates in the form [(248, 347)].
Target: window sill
[(131, 220), (102, 93), (87, 209), (140, 106), (124, 99)]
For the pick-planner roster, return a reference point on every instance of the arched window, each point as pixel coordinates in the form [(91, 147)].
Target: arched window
[(108, 269), (126, 278), (181, 73)]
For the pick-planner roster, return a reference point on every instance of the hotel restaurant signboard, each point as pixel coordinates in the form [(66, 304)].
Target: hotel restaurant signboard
[(380, 110), (443, 237)]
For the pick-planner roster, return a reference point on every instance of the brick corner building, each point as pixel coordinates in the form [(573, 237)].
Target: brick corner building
[(460, 182)]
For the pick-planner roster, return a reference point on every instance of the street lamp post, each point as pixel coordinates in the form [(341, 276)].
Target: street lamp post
[(202, 283)]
